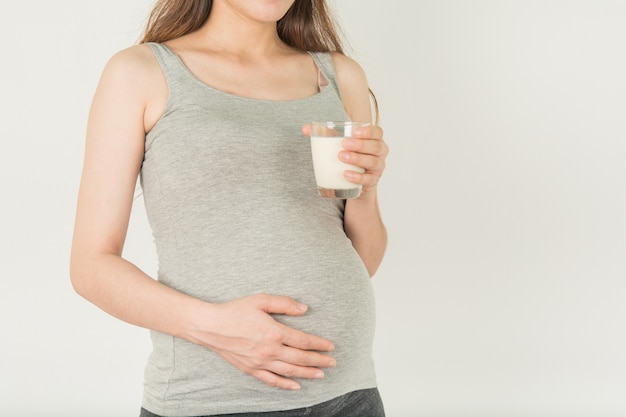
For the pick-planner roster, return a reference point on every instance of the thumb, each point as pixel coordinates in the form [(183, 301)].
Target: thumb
[(306, 129), (274, 304)]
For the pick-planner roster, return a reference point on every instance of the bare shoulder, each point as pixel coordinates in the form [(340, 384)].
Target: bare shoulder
[(134, 76), (349, 71), (132, 64), (353, 87)]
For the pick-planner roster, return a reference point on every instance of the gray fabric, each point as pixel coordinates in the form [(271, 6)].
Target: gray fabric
[(230, 195), (364, 403)]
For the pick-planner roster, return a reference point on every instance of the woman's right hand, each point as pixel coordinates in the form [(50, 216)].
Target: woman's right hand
[(244, 333)]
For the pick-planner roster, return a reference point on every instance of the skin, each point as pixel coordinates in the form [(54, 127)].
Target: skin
[(128, 102)]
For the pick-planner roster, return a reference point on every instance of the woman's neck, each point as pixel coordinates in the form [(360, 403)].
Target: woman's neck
[(229, 32)]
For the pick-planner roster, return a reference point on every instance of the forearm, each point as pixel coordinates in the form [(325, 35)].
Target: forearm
[(364, 226), (124, 291), (242, 331)]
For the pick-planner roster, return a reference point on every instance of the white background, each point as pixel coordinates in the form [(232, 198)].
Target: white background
[(503, 291)]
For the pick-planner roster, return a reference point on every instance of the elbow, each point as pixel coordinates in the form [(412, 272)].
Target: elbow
[(371, 269), (76, 277), (372, 272), (79, 274)]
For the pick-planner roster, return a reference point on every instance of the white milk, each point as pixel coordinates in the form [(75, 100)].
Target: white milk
[(328, 168)]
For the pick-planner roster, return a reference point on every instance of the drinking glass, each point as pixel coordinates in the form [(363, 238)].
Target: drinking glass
[(326, 143)]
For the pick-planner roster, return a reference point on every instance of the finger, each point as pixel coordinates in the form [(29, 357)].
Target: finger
[(305, 341), (368, 132), (366, 161), (366, 179), (275, 380), (275, 304), (367, 146), (305, 358), (306, 129), (261, 372), (290, 371)]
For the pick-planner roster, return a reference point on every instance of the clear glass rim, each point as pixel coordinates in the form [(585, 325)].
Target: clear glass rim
[(331, 123)]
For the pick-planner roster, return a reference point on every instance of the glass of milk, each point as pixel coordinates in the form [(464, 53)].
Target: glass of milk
[(326, 143)]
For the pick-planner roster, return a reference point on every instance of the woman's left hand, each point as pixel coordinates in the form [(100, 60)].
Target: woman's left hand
[(368, 150), (365, 149)]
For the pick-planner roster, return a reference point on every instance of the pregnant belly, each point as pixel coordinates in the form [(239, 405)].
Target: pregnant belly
[(342, 310), (340, 300)]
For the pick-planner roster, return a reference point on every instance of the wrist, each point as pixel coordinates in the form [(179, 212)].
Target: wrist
[(367, 201), (196, 319)]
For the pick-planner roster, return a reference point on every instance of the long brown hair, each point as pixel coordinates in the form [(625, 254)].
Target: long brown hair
[(307, 26)]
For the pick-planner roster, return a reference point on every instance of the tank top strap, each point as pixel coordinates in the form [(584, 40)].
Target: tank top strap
[(171, 65), (326, 66)]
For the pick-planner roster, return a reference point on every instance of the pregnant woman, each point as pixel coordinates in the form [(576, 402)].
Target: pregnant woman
[(263, 303)]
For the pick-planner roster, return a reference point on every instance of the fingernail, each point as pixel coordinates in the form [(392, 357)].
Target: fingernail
[(301, 307), (344, 156), (295, 386), (348, 143), (319, 375)]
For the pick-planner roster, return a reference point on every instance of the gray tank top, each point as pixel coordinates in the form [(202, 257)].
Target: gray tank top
[(231, 198)]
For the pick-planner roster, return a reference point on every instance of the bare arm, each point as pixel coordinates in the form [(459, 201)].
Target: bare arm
[(362, 219), (128, 101)]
